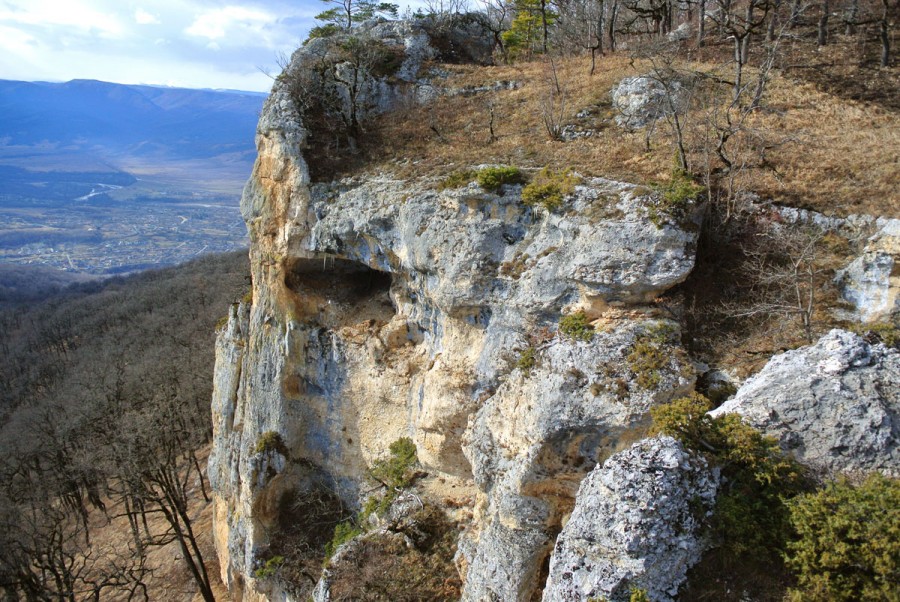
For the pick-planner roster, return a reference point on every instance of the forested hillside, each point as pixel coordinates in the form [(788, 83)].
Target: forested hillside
[(105, 404)]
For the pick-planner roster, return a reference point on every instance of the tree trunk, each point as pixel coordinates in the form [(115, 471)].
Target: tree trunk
[(738, 67), (701, 23), (612, 25), (852, 16), (770, 30), (823, 24), (885, 36), (745, 43), (544, 25), (795, 13)]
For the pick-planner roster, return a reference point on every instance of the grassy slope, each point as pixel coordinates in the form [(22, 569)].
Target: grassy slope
[(826, 152)]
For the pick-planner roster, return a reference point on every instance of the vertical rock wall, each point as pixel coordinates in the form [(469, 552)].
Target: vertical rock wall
[(383, 309)]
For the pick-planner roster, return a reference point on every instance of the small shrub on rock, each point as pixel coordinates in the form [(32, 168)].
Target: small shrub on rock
[(550, 188), (675, 196), (493, 179), (457, 179), (270, 441), (751, 518), (848, 546), (397, 471), (343, 532), (526, 360), (576, 327), (270, 568)]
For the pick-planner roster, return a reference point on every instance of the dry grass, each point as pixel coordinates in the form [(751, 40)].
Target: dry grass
[(822, 152)]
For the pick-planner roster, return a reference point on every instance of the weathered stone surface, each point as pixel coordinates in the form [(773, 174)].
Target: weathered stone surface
[(642, 100), (535, 439), (636, 523), (835, 405), (384, 309), (872, 281)]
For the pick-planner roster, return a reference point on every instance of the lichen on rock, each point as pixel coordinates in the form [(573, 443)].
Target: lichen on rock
[(835, 405), (637, 523)]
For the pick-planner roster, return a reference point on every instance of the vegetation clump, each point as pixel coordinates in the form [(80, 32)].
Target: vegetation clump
[(457, 179), (527, 360), (270, 441), (395, 473), (411, 561), (751, 518), (674, 198), (270, 568), (343, 532), (648, 356), (549, 188), (881, 332), (493, 179), (576, 327), (848, 545)]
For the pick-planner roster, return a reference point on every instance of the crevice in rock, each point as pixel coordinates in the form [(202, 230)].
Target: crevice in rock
[(335, 292)]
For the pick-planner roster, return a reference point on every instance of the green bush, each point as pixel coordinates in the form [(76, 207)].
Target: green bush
[(397, 471), (269, 568), (343, 533), (885, 332), (576, 327), (848, 547), (549, 188), (675, 196), (271, 441), (526, 360), (751, 518), (322, 31), (649, 356), (457, 179), (493, 179), (639, 595)]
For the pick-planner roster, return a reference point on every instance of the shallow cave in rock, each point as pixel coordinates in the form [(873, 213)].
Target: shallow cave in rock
[(340, 291)]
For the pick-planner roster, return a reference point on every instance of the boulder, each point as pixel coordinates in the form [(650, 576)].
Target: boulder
[(642, 100), (834, 405), (871, 282), (636, 523)]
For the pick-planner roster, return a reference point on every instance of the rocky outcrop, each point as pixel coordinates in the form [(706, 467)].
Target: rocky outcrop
[(532, 443), (835, 405), (871, 282), (636, 523), (384, 308), (642, 100)]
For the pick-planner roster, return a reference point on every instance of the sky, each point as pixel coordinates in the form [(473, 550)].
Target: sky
[(185, 43)]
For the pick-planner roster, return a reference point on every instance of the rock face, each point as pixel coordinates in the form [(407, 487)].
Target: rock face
[(872, 281), (636, 523), (532, 442), (642, 100), (835, 405), (384, 309)]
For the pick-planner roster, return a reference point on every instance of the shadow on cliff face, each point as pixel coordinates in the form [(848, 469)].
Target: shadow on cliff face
[(339, 292)]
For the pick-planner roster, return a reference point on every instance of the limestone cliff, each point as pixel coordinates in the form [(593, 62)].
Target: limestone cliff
[(384, 308)]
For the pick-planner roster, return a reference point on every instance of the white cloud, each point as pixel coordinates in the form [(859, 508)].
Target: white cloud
[(191, 43), (77, 16), (142, 17), (217, 23)]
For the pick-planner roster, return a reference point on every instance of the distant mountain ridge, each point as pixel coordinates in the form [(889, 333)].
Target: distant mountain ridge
[(111, 178), (139, 120)]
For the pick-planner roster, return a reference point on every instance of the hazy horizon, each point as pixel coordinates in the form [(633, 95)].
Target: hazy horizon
[(194, 44)]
